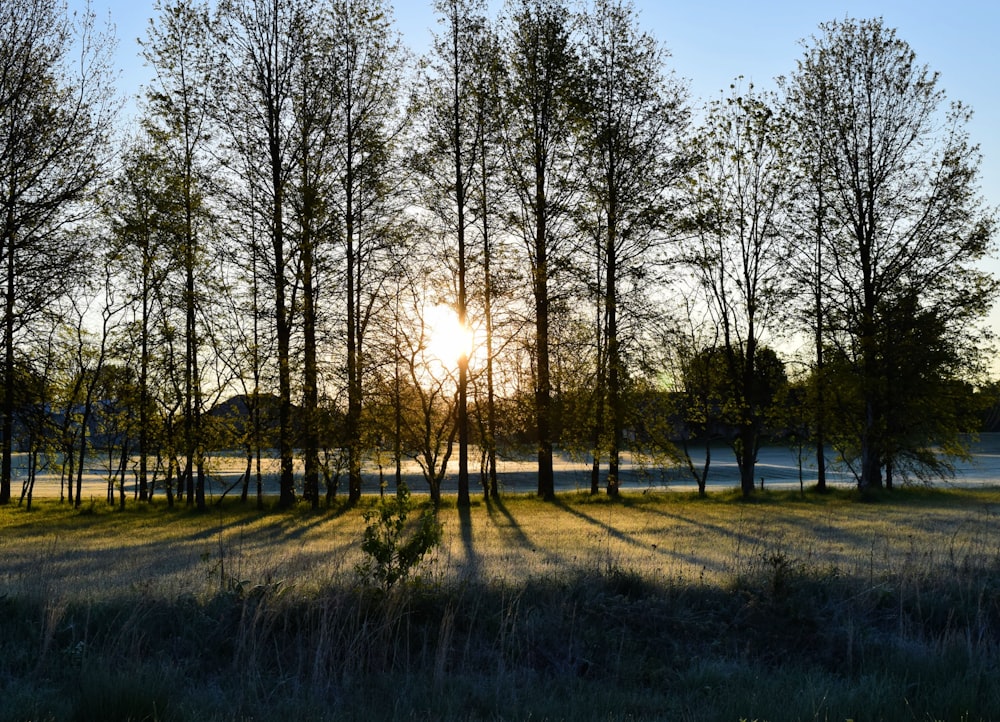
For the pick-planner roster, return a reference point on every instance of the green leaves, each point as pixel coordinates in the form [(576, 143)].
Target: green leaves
[(391, 547)]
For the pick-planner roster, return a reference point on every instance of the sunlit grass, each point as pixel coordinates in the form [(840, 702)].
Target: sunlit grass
[(98, 552), (654, 607)]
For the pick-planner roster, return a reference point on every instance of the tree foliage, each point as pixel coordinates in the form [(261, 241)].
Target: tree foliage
[(632, 118), (56, 111), (738, 248), (905, 224), (300, 195)]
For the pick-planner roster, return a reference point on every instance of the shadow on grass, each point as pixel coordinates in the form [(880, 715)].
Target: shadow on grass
[(606, 527), (473, 562), (501, 516)]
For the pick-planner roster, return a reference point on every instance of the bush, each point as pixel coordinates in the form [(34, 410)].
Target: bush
[(391, 553)]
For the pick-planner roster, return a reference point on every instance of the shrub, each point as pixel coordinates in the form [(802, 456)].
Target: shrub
[(392, 551)]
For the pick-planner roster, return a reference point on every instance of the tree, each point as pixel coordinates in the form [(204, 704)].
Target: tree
[(923, 375), (91, 354), (632, 120), (177, 118), (35, 412), (115, 424), (810, 215), (738, 248), (696, 401), (540, 99), (711, 403), (486, 195), (427, 399), (263, 40), (248, 341), (312, 117), (143, 211), (450, 161), (903, 218), (365, 64), (55, 122)]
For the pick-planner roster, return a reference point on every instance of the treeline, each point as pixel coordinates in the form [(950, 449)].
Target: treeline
[(261, 262)]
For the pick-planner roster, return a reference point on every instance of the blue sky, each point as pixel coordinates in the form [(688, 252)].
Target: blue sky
[(713, 41)]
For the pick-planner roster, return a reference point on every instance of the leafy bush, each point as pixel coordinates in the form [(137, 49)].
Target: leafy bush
[(392, 551)]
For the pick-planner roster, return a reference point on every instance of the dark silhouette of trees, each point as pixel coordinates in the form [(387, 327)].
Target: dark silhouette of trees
[(56, 113), (453, 148), (632, 117), (540, 96), (738, 249), (178, 120), (294, 206), (262, 41), (712, 403), (142, 210), (902, 216), (364, 193)]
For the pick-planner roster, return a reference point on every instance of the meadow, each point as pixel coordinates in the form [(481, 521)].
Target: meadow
[(660, 606)]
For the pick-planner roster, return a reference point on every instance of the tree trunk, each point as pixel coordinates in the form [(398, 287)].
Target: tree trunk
[(491, 487), (144, 385), (600, 378), (460, 201), (746, 458), (7, 440), (543, 383), (310, 381), (282, 331), (354, 389), (615, 404), (820, 381)]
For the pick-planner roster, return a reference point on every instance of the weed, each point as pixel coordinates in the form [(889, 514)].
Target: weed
[(392, 551)]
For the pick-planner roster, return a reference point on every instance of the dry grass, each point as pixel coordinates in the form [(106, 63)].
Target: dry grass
[(655, 607), (101, 553)]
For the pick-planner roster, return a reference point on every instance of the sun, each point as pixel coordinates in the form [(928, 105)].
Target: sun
[(448, 340)]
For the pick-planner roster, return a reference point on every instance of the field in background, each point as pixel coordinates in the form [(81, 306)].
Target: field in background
[(778, 466)]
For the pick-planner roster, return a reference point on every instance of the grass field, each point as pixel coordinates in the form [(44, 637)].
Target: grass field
[(658, 607)]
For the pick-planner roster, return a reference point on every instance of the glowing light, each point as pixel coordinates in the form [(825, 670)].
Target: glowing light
[(448, 340)]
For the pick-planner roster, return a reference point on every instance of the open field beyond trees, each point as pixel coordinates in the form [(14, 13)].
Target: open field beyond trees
[(655, 606)]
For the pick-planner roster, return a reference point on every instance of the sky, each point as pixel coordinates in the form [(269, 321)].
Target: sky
[(711, 42)]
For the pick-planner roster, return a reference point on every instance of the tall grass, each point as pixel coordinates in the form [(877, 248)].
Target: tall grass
[(651, 609)]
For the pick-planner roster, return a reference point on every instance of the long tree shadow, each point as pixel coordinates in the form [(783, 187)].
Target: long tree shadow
[(691, 560), (500, 515), (604, 526), (473, 560), (686, 519)]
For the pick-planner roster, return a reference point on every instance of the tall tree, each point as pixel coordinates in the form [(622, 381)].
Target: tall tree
[(56, 111), (245, 343), (143, 210), (540, 95), (633, 116), (365, 67), (806, 116), (177, 117), (739, 247), (904, 218), (488, 113), (312, 114), (263, 45), (449, 164)]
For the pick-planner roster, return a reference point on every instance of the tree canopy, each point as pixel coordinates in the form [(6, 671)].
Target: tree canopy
[(260, 267)]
